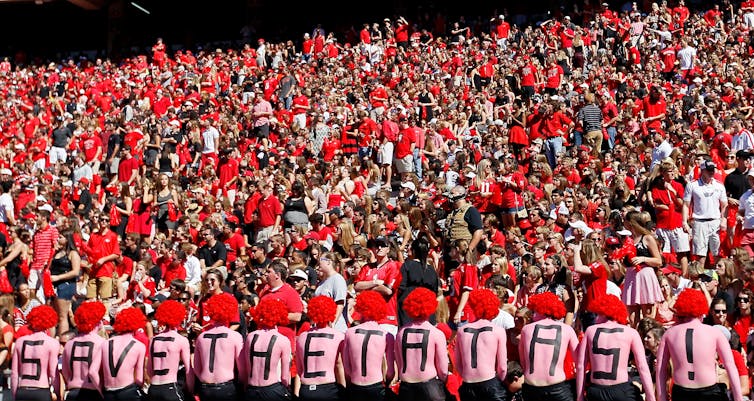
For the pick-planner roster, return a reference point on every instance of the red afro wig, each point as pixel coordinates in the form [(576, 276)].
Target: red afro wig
[(89, 315), (321, 310), (270, 313), (547, 304), (691, 303), (222, 308), (420, 303), (129, 320), (170, 313), (371, 305), (41, 318), (484, 303), (611, 307)]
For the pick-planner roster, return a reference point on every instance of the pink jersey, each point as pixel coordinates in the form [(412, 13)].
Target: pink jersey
[(215, 354), (317, 352), (265, 359), (82, 358), (480, 352), (606, 347), (122, 362), (543, 349), (35, 362), (166, 352), (421, 353), (693, 349), (366, 347)]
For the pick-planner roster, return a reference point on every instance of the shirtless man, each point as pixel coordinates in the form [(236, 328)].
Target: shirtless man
[(167, 351), (606, 347), (123, 358), (543, 347), (217, 351), (35, 358), (264, 366), (420, 351), (82, 355), (481, 357), (367, 348), (693, 348)]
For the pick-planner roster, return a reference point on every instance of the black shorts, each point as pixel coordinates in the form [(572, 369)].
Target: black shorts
[(217, 391), (432, 390), (33, 394), (527, 92), (128, 393), (262, 131), (562, 391), (320, 392), (488, 390), (274, 392), (715, 392), (165, 392), (83, 394), (372, 392), (618, 392)]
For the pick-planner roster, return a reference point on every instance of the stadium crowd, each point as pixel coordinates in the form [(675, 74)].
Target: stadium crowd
[(414, 209)]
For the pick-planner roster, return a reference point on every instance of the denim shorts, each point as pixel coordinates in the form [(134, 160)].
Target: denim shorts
[(65, 290)]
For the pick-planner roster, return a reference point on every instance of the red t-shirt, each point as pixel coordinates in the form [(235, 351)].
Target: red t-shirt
[(101, 245), (292, 300), (268, 210), (390, 274), (596, 283)]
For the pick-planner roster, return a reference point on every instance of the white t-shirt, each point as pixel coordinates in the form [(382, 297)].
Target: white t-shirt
[(705, 198), (686, 58), (193, 270), (745, 204), (6, 208), (209, 136)]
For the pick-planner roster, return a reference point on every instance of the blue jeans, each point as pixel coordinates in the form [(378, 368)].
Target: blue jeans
[(611, 133), (553, 146), (418, 163)]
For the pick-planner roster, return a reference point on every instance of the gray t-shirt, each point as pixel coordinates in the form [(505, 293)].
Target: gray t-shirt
[(336, 288)]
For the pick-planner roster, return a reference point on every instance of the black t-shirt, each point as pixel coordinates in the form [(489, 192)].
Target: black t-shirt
[(211, 254), (735, 183), (113, 141), (60, 137), (474, 219)]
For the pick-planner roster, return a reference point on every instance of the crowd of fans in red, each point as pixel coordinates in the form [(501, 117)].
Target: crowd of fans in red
[(610, 156)]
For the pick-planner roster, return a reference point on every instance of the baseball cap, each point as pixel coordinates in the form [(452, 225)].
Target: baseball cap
[(671, 269), (47, 207), (84, 180), (381, 242), (611, 241), (408, 185), (742, 154), (312, 235), (299, 274), (709, 273), (708, 165)]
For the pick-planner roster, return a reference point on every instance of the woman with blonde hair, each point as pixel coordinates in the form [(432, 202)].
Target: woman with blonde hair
[(728, 277), (641, 289), (531, 279), (589, 262)]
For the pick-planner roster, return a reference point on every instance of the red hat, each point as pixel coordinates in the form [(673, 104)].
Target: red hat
[(41, 318), (89, 315), (84, 180), (222, 308), (690, 303), (270, 313), (524, 224), (611, 307), (671, 269), (371, 305), (170, 313), (231, 219), (484, 303), (129, 320), (312, 235), (322, 310), (584, 148), (547, 304), (612, 241), (420, 304)]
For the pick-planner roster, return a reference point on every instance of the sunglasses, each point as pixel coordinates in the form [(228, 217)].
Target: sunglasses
[(720, 311), (185, 299), (744, 300)]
